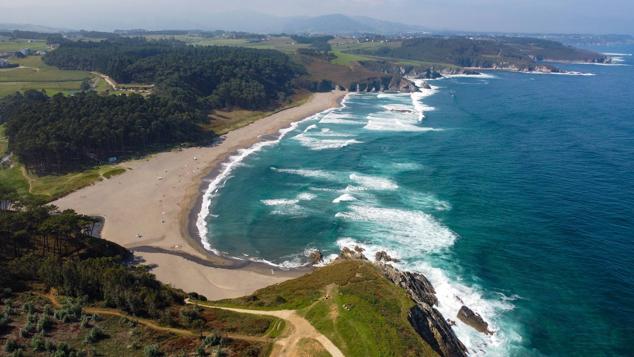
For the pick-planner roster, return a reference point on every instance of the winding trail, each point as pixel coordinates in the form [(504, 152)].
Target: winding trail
[(52, 297), (289, 345)]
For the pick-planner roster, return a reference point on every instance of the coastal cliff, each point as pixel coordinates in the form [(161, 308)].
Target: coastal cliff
[(423, 317)]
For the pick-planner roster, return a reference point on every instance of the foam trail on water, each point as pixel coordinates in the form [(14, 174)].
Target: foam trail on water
[(346, 197), (373, 182), (324, 144), (226, 168)]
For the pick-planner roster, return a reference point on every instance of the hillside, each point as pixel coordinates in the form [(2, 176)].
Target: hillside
[(65, 293), (359, 309), (494, 52)]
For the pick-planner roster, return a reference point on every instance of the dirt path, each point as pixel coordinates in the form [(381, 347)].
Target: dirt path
[(52, 297), (301, 329)]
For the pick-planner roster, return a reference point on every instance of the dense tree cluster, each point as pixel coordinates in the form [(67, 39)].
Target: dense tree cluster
[(485, 52), (319, 43), (214, 76), (41, 244), (59, 133)]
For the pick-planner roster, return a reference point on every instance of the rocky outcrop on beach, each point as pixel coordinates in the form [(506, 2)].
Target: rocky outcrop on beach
[(424, 318), (315, 257), (416, 285), (347, 253), (382, 256), (474, 320)]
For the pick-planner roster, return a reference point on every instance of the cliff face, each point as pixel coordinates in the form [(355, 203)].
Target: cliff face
[(426, 320), (423, 317)]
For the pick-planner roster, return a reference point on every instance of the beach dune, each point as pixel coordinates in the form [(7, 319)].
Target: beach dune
[(147, 209)]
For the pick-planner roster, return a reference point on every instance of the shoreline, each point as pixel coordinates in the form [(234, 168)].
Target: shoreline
[(149, 209)]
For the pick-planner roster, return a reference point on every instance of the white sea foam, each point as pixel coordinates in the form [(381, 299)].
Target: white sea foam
[(289, 207), (452, 295), (346, 197), (406, 166), (567, 73), (339, 121), (310, 127), (218, 181), (419, 200), (417, 231), (324, 144), (373, 182), (314, 174), (391, 95), (280, 202), (306, 196), (394, 123), (398, 108), (417, 98), (464, 75)]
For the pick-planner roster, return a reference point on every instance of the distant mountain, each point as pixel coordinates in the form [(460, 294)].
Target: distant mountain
[(339, 24), (334, 24), (250, 21), (27, 27)]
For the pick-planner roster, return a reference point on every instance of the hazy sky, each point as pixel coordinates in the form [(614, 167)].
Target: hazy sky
[(588, 16)]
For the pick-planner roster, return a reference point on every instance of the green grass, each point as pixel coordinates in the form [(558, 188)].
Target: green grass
[(51, 187), (35, 74), (18, 44), (364, 314), (4, 142), (347, 58)]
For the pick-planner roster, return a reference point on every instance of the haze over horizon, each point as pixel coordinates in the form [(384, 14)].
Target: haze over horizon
[(536, 16)]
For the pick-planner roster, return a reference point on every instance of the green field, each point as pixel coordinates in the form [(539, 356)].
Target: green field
[(18, 44), (351, 303), (33, 73)]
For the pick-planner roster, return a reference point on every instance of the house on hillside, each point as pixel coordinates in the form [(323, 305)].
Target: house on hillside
[(6, 64), (26, 52)]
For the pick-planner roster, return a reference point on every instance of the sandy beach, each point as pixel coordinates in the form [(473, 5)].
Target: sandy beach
[(147, 209)]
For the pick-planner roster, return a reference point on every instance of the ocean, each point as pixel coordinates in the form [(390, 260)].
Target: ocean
[(514, 196)]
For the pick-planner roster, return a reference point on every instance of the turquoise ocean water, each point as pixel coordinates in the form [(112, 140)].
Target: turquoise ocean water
[(514, 195)]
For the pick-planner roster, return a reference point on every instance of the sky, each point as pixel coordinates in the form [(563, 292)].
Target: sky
[(561, 16)]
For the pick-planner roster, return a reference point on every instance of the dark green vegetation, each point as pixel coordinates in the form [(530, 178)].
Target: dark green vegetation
[(353, 304), (57, 134), (61, 134), (204, 77), (498, 52), (106, 306)]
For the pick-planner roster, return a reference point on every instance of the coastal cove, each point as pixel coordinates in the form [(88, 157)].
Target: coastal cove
[(444, 197), (146, 209)]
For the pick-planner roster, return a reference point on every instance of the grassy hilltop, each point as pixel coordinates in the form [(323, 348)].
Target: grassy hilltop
[(350, 302)]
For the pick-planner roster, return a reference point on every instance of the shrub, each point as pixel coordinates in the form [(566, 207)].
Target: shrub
[(152, 351), (44, 324), (38, 344), (27, 307), (10, 346), (200, 352), (94, 335), (212, 340)]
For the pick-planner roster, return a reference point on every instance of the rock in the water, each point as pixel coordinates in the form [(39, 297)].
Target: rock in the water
[(416, 285), (315, 256), (432, 327), (474, 320), (358, 249), (347, 253), (424, 318), (382, 256), (425, 85)]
